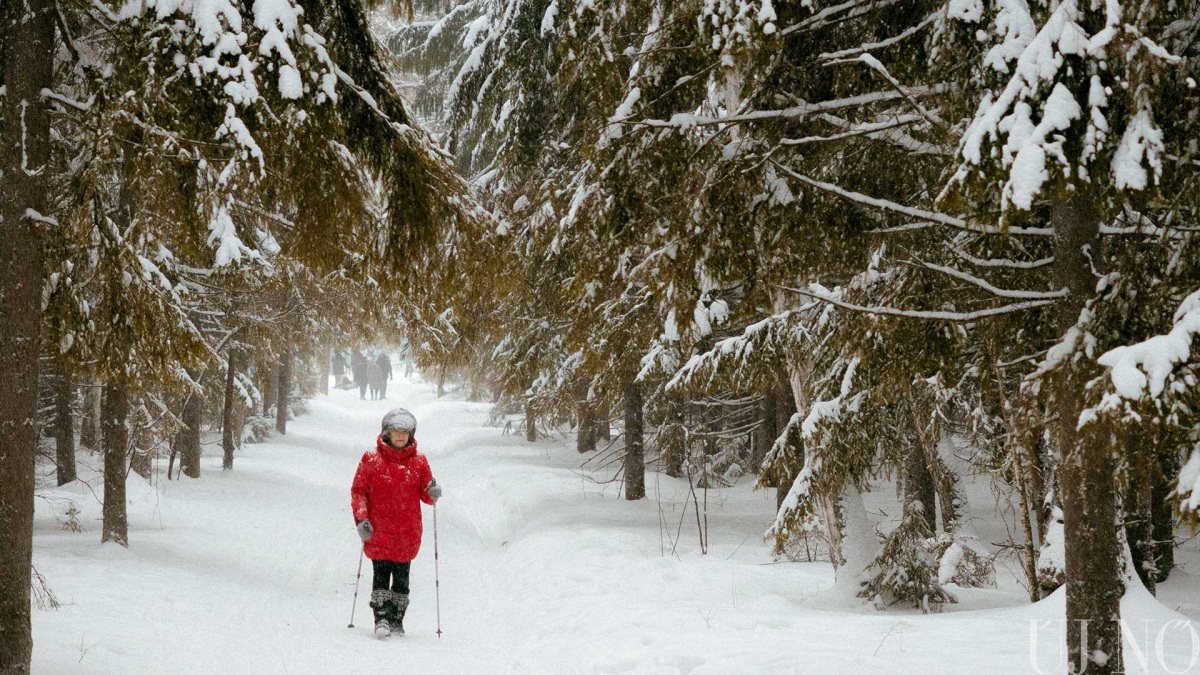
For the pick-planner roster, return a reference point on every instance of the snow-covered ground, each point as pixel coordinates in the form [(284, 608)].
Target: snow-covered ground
[(543, 570)]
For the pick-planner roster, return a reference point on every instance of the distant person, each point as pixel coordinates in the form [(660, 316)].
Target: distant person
[(385, 367), (338, 367), (388, 487), (376, 380), (359, 365)]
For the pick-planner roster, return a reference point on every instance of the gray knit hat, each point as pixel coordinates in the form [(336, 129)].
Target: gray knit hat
[(399, 418)]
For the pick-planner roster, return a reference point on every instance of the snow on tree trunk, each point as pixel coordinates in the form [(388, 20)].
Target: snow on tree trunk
[(848, 530), (857, 543), (284, 391), (115, 428), (1093, 560), (228, 423), (27, 32), (64, 427), (635, 461)]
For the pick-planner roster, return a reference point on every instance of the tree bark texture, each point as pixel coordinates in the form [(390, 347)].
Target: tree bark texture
[(27, 50), (89, 426), (918, 483), (1139, 513), (585, 441), (1164, 516), (114, 425), (766, 434), (1093, 557), (189, 436), (530, 423), (635, 460), (228, 423), (284, 391), (325, 371), (674, 437), (266, 384), (64, 427)]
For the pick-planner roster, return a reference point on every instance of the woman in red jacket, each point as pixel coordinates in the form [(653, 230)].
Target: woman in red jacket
[(389, 485)]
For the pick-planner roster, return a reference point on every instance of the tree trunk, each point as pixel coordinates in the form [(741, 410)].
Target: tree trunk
[(114, 425), (141, 454), (228, 423), (635, 461), (918, 482), (189, 437), (284, 391), (765, 435), (530, 423), (674, 437), (1163, 516), (785, 407), (27, 50), (325, 370), (1139, 523), (267, 381), (64, 427), (586, 440), (1037, 485), (441, 385), (1093, 557), (89, 427)]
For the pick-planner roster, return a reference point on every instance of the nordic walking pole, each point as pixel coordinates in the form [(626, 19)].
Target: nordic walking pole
[(354, 605), (437, 586)]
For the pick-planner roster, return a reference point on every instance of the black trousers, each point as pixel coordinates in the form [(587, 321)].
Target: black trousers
[(390, 576)]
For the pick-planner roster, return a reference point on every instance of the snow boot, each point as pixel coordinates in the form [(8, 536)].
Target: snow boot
[(396, 617), (381, 601)]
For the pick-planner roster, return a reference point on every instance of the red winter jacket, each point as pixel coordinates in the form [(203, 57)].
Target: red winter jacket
[(388, 487)]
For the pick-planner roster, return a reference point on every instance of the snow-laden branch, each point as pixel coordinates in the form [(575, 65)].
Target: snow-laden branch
[(1002, 262), (71, 103), (877, 65), (802, 110), (856, 130), (958, 317), (828, 15), (756, 338), (895, 136), (933, 216), (871, 46), (1000, 292), (1142, 369)]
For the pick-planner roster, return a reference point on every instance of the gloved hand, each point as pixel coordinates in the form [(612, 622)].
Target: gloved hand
[(365, 529), (434, 490)]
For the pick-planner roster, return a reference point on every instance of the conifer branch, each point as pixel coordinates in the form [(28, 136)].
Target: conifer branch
[(957, 317)]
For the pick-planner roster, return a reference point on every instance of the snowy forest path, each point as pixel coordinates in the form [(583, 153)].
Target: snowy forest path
[(253, 570), (544, 568)]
